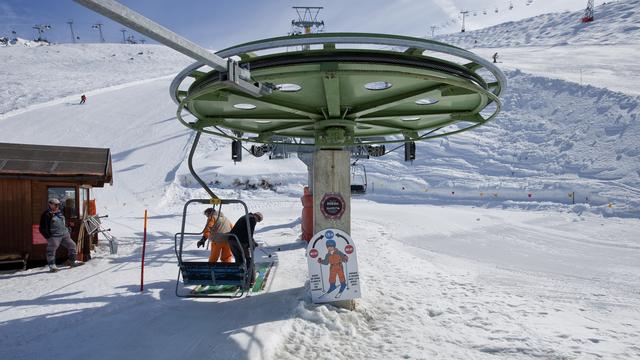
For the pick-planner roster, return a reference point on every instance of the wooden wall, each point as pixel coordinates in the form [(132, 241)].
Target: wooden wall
[(15, 217)]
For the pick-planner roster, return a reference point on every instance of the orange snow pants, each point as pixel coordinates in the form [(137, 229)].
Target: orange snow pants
[(336, 270), (220, 251)]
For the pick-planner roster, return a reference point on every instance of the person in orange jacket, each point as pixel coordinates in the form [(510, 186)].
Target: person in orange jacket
[(334, 258), (217, 223)]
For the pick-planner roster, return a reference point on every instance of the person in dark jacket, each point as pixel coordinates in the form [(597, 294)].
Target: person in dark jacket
[(54, 228), (245, 237)]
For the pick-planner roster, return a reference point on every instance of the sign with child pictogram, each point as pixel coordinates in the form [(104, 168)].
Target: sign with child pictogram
[(333, 267)]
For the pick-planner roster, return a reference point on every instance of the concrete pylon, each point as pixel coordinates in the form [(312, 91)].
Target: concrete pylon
[(332, 196)]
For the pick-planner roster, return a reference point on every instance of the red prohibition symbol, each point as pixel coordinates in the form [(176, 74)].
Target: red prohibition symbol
[(314, 253), (348, 249)]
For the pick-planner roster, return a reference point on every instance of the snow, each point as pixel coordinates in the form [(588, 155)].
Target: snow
[(615, 23), (33, 75), (456, 260)]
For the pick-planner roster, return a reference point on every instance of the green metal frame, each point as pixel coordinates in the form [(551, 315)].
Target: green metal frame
[(333, 108)]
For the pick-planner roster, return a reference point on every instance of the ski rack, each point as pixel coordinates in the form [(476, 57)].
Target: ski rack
[(207, 269)]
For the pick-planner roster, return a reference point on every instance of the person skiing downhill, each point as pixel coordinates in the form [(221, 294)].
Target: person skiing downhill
[(334, 258), (83, 99), (495, 58)]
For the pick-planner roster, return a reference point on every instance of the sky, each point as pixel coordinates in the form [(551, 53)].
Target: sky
[(219, 24)]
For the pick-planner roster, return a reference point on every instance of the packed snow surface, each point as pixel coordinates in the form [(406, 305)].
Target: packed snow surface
[(616, 22), (33, 75), (474, 251)]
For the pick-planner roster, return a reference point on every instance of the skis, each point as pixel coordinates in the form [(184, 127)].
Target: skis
[(262, 274)]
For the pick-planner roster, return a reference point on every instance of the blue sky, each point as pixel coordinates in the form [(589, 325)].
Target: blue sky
[(218, 24)]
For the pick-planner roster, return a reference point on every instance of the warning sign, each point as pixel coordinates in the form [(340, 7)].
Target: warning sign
[(332, 206), (333, 267)]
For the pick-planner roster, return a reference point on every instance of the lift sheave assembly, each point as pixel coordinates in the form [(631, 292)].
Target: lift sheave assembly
[(346, 89)]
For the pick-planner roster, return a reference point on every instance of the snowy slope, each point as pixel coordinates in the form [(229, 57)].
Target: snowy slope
[(614, 67), (32, 75), (552, 138), (615, 23)]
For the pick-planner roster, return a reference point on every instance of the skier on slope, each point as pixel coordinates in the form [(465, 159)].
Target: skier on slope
[(83, 99), (334, 258), (495, 58), (54, 228), (217, 223)]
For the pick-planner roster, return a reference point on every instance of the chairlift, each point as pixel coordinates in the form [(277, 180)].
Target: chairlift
[(484, 12), (496, 10), (510, 5), (236, 276), (358, 179)]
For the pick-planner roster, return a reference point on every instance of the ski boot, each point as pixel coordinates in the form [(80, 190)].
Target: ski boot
[(73, 263)]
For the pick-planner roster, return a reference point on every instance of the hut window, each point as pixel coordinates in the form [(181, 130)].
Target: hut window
[(67, 197), (84, 200)]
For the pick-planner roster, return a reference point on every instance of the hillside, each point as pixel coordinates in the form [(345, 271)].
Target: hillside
[(34, 75), (616, 23)]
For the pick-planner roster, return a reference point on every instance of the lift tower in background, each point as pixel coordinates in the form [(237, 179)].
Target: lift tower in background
[(307, 20), (588, 12), (464, 16)]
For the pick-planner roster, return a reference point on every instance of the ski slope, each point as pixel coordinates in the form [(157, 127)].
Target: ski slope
[(35, 75), (616, 22), (445, 276)]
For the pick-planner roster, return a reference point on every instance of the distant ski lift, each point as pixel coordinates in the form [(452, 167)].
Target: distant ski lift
[(475, 13), (529, 2), (484, 12), (360, 152), (358, 179), (280, 149), (279, 152), (510, 5), (496, 10)]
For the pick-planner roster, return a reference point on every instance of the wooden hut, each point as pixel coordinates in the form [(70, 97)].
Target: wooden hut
[(29, 176)]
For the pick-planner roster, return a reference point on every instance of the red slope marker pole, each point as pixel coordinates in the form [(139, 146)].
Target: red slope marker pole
[(144, 246)]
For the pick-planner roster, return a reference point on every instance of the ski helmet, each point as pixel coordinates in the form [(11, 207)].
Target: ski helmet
[(330, 243)]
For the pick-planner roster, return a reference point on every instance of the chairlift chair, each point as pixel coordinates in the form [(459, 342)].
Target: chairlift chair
[(236, 274), (358, 179)]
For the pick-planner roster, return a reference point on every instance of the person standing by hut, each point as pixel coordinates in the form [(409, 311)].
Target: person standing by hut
[(54, 228)]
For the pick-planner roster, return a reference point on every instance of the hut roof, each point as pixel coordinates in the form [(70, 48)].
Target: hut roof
[(88, 165)]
